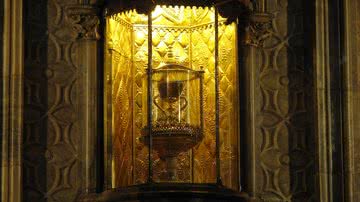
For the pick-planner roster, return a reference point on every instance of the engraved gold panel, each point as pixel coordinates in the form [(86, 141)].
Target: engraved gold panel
[(189, 35), (121, 96)]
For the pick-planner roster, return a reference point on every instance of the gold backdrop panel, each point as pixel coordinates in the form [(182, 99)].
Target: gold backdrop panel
[(229, 106), (120, 50)]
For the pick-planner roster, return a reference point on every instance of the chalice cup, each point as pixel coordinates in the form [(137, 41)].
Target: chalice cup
[(170, 93)]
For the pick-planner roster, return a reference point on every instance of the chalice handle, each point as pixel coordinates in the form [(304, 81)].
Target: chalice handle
[(158, 106), (183, 106)]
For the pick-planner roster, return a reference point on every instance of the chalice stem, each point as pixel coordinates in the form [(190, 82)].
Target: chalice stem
[(171, 168)]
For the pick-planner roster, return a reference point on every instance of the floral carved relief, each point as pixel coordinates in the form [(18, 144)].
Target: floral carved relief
[(84, 21)]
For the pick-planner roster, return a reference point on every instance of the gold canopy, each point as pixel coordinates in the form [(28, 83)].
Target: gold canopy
[(235, 8)]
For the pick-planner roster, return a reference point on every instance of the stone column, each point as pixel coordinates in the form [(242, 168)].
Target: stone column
[(351, 89), (12, 101), (85, 20), (257, 29)]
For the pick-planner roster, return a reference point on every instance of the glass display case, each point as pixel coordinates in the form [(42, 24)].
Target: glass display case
[(171, 96)]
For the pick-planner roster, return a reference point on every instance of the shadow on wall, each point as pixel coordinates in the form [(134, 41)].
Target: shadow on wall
[(300, 123), (35, 181), (285, 127), (51, 127)]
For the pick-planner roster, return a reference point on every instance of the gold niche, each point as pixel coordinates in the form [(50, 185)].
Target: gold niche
[(183, 37)]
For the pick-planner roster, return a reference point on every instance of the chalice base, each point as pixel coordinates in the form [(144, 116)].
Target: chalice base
[(169, 140)]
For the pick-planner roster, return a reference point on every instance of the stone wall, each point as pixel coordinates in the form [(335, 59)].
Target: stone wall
[(282, 141), (51, 135), (60, 61)]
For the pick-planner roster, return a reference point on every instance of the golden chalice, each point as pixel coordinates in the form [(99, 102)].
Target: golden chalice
[(171, 133)]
